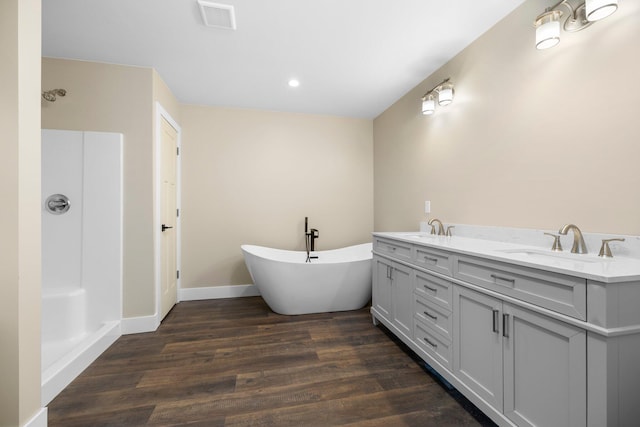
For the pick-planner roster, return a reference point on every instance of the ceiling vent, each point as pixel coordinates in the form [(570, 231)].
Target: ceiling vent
[(217, 15)]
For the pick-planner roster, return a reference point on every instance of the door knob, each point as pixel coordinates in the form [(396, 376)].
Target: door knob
[(165, 227)]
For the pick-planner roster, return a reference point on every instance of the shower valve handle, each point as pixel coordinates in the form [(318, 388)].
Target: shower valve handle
[(165, 227)]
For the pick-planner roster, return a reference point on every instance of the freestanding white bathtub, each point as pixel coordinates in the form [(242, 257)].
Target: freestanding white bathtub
[(338, 280)]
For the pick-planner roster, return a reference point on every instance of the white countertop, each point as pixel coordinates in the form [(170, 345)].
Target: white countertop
[(587, 266)]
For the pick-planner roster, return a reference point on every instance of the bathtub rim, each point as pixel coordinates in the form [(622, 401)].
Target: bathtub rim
[(266, 252)]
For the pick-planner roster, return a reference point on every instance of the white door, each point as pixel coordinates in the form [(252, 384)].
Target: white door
[(168, 216)]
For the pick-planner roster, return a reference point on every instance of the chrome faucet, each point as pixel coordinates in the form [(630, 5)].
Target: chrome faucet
[(433, 227), (579, 247)]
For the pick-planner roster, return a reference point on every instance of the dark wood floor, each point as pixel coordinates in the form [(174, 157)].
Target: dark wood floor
[(235, 363)]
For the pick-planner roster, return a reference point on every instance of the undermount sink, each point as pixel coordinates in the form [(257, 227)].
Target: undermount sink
[(416, 235), (549, 255)]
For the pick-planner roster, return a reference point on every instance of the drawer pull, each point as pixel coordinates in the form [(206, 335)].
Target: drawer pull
[(496, 313), (430, 315), (431, 259), (434, 290), (506, 279), (434, 345), (505, 324), (391, 248)]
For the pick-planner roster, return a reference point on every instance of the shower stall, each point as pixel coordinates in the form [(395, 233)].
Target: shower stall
[(81, 252)]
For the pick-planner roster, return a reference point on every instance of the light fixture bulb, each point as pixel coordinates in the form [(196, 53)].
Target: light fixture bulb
[(294, 83), (445, 94), (600, 9), (428, 105), (548, 29)]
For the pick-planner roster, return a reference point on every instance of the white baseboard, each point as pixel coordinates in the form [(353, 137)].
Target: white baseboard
[(216, 292), (38, 420), (137, 325)]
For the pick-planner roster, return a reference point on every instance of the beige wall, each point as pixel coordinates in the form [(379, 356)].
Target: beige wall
[(114, 98), (20, 217), (252, 176), (533, 139), (163, 95)]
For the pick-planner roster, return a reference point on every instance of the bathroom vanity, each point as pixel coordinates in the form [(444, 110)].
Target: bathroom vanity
[(531, 337)]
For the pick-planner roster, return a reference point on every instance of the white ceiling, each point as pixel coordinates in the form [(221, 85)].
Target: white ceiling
[(353, 57)]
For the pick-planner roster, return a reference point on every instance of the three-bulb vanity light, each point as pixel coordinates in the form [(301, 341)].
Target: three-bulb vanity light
[(443, 92), (581, 16)]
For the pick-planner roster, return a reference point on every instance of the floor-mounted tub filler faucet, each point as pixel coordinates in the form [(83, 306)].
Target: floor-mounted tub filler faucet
[(433, 223), (579, 246), (310, 238)]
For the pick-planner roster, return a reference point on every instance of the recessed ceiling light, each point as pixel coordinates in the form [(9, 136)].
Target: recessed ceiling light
[(294, 83)]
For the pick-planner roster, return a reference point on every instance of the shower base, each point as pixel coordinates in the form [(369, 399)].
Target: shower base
[(72, 356)]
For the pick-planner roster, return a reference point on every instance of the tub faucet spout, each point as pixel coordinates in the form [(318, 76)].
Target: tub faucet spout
[(579, 246), (310, 239)]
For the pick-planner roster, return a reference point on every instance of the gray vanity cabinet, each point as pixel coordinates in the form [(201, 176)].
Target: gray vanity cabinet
[(545, 370), (528, 366), (393, 292), (519, 341), (381, 292), (478, 350)]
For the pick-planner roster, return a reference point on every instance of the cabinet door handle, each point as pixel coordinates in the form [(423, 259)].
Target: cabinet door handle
[(434, 290), (496, 313), (388, 272), (426, 313), (434, 260), (505, 325), (434, 345), (506, 279)]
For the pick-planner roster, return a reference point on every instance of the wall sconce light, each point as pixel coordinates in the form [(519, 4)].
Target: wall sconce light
[(547, 24), (444, 92), (429, 104)]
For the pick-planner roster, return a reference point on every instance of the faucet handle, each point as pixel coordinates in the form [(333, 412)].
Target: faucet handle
[(605, 250), (449, 230), (557, 246)]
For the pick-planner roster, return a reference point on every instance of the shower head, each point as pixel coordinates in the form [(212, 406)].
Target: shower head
[(50, 95)]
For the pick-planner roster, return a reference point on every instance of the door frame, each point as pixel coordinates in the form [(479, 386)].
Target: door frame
[(160, 114)]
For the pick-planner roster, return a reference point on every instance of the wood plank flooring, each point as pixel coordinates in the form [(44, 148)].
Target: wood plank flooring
[(235, 363)]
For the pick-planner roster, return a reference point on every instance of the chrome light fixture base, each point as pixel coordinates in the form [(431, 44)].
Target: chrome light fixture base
[(577, 20)]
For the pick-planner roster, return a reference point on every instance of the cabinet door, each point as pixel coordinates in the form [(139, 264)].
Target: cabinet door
[(544, 370), (402, 298), (477, 350), (382, 286)]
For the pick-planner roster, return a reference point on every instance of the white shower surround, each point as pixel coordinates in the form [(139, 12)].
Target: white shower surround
[(81, 253)]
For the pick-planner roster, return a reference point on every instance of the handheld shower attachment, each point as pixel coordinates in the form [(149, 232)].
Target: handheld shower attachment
[(50, 95)]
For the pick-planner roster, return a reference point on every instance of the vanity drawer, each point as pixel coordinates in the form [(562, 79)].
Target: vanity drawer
[(432, 343), (396, 249), (557, 292), (433, 259), (434, 289), (433, 315)]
